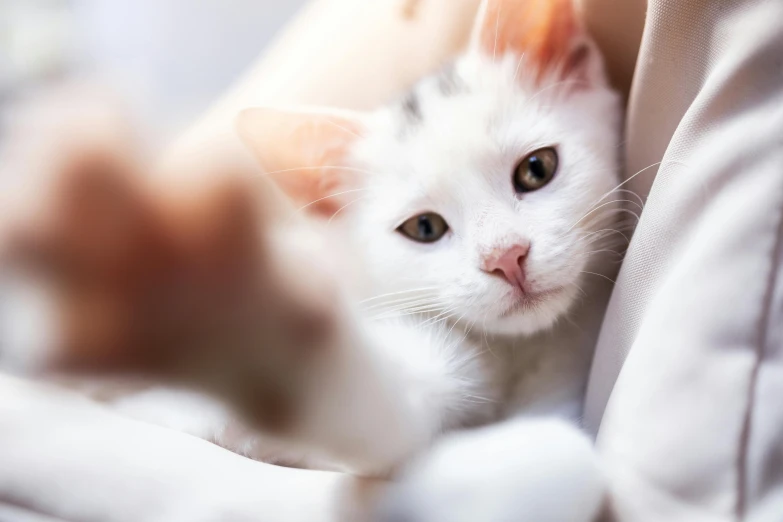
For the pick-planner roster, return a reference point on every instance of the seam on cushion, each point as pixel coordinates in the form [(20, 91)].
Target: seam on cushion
[(764, 325)]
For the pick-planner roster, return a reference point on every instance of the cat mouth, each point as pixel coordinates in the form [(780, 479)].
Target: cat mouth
[(525, 301)]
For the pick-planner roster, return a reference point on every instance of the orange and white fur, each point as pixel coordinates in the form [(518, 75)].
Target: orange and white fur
[(477, 210)]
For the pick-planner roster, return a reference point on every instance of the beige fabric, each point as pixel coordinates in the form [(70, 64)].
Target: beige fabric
[(346, 53), (693, 428), (617, 29)]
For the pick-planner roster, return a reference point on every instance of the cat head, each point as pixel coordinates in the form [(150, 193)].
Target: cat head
[(477, 196)]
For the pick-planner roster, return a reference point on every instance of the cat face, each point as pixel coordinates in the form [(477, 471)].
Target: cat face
[(477, 196)]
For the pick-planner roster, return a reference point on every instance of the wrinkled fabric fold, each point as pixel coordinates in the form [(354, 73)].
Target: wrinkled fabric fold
[(682, 392)]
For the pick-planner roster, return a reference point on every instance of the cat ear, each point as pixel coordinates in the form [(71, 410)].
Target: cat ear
[(305, 153), (547, 32)]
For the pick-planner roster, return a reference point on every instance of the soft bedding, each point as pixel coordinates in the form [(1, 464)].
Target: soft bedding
[(686, 384)]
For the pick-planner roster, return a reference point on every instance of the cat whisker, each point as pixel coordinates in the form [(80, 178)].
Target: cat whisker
[(622, 143), (441, 320), (639, 172), (606, 238), (617, 255), (612, 213), (420, 289), (404, 306), (404, 309), (484, 329), (573, 323), (469, 329), (343, 128), (418, 314), (396, 315), (329, 196), (625, 232), (603, 233), (594, 209), (331, 218), (407, 306), (581, 291), (497, 30), (640, 206), (476, 399), (599, 275), (603, 250), (441, 316), (456, 323), (519, 63), (404, 301), (615, 247), (632, 193), (319, 167)]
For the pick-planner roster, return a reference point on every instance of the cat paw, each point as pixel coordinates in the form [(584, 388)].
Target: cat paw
[(72, 215), (528, 470), (185, 282)]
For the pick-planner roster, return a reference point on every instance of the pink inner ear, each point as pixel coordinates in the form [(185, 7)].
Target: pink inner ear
[(322, 144), (302, 152), (543, 30), (577, 66)]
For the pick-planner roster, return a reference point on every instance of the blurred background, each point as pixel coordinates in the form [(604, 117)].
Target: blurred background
[(173, 57)]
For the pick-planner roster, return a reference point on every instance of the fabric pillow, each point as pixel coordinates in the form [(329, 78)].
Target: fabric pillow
[(686, 387)]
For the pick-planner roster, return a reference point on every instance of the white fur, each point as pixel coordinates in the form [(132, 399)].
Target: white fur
[(457, 160), (391, 390), (541, 470)]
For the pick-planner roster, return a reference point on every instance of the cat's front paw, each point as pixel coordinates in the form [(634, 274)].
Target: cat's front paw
[(537, 470), (188, 281)]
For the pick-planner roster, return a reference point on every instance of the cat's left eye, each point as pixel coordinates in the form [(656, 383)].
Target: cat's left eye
[(424, 228), (535, 170)]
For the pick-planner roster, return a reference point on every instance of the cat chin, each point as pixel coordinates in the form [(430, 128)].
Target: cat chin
[(531, 318)]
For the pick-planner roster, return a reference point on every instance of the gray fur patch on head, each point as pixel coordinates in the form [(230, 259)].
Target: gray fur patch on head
[(445, 83), (449, 82), (411, 107)]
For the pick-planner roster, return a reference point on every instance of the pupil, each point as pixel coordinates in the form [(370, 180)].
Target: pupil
[(425, 226), (536, 167)]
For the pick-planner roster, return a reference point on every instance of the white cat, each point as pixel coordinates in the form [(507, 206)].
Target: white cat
[(479, 208), (478, 204)]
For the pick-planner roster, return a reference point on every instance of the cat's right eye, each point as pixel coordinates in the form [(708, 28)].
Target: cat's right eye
[(535, 170), (424, 228)]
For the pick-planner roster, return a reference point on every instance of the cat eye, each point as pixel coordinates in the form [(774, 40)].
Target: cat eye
[(535, 170), (424, 228)]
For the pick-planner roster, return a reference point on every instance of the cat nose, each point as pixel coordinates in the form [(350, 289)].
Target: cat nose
[(508, 264)]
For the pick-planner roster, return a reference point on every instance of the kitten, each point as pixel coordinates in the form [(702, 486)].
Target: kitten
[(476, 204), (475, 208)]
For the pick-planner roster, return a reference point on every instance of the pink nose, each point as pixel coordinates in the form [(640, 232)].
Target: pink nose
[(508, 263)]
